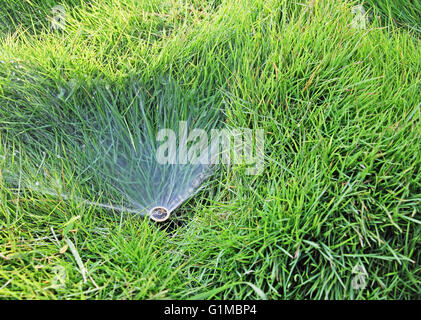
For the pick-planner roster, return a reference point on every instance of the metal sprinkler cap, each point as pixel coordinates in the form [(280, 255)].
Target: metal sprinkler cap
[(159, 214)]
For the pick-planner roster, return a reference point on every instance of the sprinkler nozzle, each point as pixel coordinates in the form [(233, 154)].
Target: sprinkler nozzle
[(159, 214)]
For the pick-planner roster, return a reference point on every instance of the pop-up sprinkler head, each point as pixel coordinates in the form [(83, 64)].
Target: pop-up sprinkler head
[(159, 214)]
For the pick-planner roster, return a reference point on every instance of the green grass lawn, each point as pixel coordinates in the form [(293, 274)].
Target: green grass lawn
[(341, 185)]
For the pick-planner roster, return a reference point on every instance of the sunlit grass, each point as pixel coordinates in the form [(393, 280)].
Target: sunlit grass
[(341, 186)]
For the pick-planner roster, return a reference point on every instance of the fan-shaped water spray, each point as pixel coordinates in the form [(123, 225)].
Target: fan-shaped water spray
[(127, 150)]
